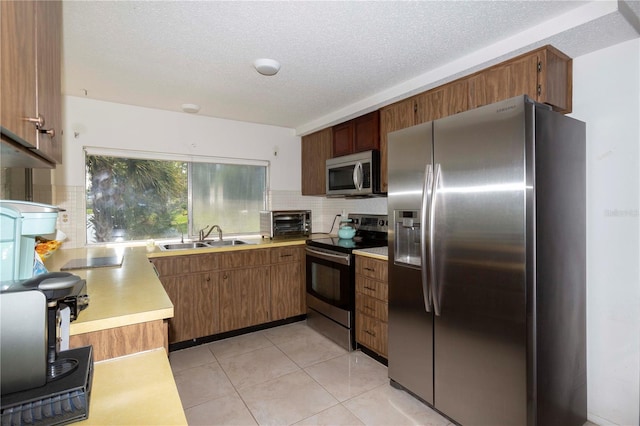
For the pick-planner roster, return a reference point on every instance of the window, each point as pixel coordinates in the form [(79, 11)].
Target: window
[(136, 198)]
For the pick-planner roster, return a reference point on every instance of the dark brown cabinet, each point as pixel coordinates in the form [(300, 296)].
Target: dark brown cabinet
[(316, 150), (357, 135), (30, 73)]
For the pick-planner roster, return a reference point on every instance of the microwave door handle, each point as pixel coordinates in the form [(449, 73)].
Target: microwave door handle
[(357, 176)]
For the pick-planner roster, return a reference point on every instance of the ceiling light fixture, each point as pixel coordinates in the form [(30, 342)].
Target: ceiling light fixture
[(267, 66), (190, 108)]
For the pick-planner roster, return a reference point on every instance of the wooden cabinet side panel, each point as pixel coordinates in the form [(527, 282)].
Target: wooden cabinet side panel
[(49, 94), (18, 68), (316, 149), (120, 341), (555, 80)]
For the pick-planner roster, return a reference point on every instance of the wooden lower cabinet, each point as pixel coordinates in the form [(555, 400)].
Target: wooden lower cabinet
[(218, 292), (244, 298), (372, 306), (287, 283)]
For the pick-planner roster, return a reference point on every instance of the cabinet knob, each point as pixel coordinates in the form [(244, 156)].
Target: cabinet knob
[(208, 279), (50, 132), (38, 121), (225, 276)]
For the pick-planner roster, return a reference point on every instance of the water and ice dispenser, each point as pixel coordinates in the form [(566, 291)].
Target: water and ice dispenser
[(407, 228)]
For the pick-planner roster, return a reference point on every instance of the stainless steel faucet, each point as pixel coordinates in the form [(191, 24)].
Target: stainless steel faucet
[(201, 233), (219, 231)]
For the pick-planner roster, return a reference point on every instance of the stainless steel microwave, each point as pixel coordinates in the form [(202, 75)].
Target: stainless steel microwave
[(354, 175), (285, 223)]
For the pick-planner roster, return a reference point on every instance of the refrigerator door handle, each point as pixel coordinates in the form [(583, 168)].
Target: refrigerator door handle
[(424, 215), (432, 252), (357, 176)]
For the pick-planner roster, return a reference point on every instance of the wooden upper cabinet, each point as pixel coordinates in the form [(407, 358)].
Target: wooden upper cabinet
[(343, 139), (49, 42), (393, 117), (30, 73), (544, 75), (442, 101), (357, 135), (18, 68), (316, 150)]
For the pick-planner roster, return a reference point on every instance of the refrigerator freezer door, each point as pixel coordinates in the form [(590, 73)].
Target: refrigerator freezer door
[(410, 325), (479, 231)]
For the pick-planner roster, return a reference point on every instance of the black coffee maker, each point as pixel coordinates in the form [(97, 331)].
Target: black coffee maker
[(41, 384)]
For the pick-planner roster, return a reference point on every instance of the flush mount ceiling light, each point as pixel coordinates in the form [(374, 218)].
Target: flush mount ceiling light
[(190, 108), (267, 66)]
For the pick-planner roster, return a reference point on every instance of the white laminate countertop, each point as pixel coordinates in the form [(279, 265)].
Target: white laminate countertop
[(374, 252)]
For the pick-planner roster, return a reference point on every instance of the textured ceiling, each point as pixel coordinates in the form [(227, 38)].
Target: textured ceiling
[(338, 58)]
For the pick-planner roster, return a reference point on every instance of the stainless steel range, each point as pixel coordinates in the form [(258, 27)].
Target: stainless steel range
[(331, 277)]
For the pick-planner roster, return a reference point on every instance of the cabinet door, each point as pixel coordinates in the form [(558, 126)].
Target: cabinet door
[(316, 149), (372, 333), (512, 78), (18, 68), (200, 301), (244, 298), (343, 139), (367, 132), (48, 46), (443, 101), (393, 117), (287, 293)]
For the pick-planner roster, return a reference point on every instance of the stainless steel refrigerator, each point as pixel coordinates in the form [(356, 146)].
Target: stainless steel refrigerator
[(487, 315)]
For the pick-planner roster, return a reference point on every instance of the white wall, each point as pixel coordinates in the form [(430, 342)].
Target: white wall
[(106, 124), (607, 97)]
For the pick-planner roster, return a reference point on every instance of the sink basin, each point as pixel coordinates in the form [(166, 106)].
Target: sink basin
[(183, 246), (226, 243), (201, 244)]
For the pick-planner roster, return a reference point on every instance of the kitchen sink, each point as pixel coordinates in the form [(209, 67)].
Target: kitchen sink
[(201, 244), (183, 246), (226, 243)]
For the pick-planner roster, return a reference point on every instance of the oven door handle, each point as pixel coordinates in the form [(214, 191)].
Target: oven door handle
[(341, 258)]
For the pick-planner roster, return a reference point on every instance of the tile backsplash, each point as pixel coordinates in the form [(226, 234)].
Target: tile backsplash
[(323, 210)]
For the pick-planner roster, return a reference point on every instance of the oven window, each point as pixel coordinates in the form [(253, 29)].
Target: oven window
[(325, 282)]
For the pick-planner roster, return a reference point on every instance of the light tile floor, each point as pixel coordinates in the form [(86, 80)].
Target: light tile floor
[(290, 375)]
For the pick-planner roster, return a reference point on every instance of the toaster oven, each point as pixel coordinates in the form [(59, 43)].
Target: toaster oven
[(285, 223)]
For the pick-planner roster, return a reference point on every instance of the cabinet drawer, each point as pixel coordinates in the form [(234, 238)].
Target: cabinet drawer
[(179, 265), (369, 287), (372, 333), (242, 258), (372, 307), (372, 268), (286, 254)]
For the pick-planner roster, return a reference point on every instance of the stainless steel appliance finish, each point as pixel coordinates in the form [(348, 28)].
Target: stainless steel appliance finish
[(330, 278), (354, 175), (487, 298), (285, 223)]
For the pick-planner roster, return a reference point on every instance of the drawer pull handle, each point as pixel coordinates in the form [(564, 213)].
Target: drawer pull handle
[(370, 333), (369, 288), (369, 269), (286, 255), (369, 307)]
